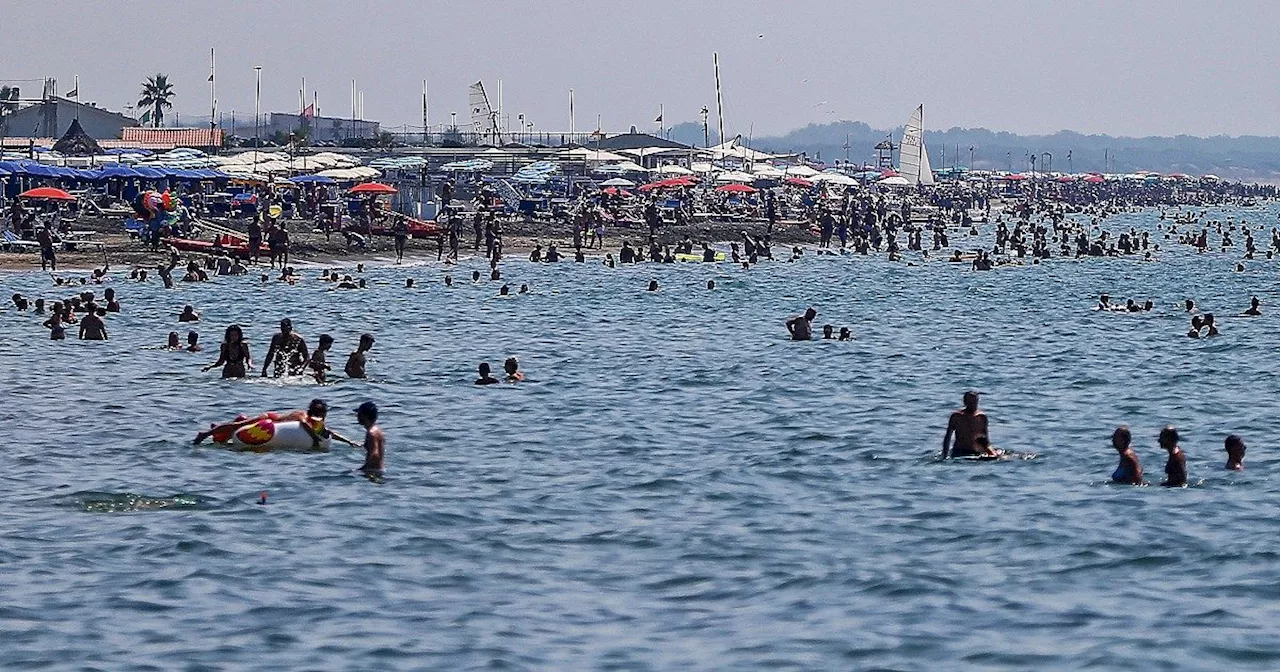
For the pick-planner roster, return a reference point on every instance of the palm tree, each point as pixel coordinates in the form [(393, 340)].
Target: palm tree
[(156, 93)]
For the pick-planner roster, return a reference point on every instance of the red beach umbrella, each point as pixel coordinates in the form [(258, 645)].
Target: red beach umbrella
[(373, 188), (1095, 179), (736, 189), (49, 193), (798, 182)]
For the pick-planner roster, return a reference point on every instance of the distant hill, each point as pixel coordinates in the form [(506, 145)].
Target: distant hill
[(1248, 158)]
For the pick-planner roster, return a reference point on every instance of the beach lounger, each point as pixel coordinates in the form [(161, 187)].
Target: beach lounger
[(12, 243)]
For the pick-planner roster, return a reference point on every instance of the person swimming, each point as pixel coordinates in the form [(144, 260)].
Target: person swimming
[(193, 342), (1130, 469), (1254, 307), (845, 334), (288, 351), (356, 361), (966, 424), (1196, 325), (1234, 445), (828, 332), (318, 363), (653, 286), (1175, 467), (512, 368), (174, 342), (189, 314), (801, 328), (486, 375), (233, 354)]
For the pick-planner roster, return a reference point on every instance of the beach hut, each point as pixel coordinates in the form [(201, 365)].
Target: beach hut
[(75, 142)]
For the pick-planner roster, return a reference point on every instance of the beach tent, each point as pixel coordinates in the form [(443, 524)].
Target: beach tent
[(75, 142)]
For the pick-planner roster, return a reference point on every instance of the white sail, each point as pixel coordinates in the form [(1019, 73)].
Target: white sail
[(914, 160), (483, 119)]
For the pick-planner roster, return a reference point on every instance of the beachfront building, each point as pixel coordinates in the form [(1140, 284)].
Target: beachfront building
[(322, 129), (51, 117)]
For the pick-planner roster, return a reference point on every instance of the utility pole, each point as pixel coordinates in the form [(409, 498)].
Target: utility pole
[(257, 99)]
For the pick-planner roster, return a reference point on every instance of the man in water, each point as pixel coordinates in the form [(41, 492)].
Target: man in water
[(374, 441), (92, 327), (356, 360), (1235, 453), (801, 328), (288, 351), (1175, 468), (486, 375), (967, 424)]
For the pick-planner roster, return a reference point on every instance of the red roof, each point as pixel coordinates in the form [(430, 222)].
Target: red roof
[(156, 138)]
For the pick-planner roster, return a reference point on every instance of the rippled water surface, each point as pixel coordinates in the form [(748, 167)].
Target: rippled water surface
[(675, 487)]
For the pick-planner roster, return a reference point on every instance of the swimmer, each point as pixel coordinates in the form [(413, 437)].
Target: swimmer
[(1254, 307), (311, 420), (356, 360), (193, 342), (828, 332), (801, 328), (1196, 325), (1190, 305), (524, 289), (113, 306), (408, 283), (653, 285), (233, 354), (20, 302), (174, 342), (486, 377), (291, 350), (1209, 324), (318, 364), (1175, 468), (1104, 302), (504, 291), (495, 275), (374, 441), (92, 328), (189, 314), (448, 281), (966, 424), (845, 334), (1130, 469), (57, 332), (475, 276), (512, 369), (1234, 446), (711, 284)]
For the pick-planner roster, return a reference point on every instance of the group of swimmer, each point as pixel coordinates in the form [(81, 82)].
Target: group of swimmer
[(969, 426), (288, 352), (313, 422)]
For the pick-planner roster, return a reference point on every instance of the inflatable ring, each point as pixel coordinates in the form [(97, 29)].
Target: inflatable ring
[(265, 434)]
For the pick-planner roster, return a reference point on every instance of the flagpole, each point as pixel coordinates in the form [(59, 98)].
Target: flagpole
[(213, 98), (571, 115), (425, 127), (715, 56)]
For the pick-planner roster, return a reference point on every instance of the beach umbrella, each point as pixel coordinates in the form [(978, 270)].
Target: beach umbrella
[(1016, 177), (373, 188), (618, 182), (736, 189), (1066, 178), (672, 169), (669, 183), (895, 181), (615, 191), (798, 182), (800, 171), (47, 193), (1095, 179)]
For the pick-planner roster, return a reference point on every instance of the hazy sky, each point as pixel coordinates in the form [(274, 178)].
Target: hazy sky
[(1131, 67)]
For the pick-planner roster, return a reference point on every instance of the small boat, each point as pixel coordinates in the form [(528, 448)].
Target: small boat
[(232, 245)]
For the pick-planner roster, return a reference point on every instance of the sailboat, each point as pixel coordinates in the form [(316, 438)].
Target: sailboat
[(484, 120), (914, 159)]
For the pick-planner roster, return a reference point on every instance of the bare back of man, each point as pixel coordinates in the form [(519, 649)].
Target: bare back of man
[(966, 424)]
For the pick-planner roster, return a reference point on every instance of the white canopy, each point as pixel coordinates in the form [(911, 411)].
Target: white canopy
[(767, 171), (834, 178), (592, 155), (799, 171), (673, 169), (735, 176), (895, 181)]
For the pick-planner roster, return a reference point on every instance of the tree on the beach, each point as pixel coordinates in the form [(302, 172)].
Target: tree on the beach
[(156, 94)]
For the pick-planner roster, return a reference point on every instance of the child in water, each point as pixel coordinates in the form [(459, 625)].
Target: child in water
[(374, 441), (317, 363)]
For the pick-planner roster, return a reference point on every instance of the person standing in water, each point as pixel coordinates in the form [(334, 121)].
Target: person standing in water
[(1130, 469), (801, 328), (287, 351), (1235, 453), (967, 424), (1175, 467), (374, 441), (233, 354), (356, 360)]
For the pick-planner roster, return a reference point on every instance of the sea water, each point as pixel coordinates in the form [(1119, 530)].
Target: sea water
[(675, 486)]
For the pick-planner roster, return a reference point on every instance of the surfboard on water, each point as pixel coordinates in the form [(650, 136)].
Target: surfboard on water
[(681, 256)]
